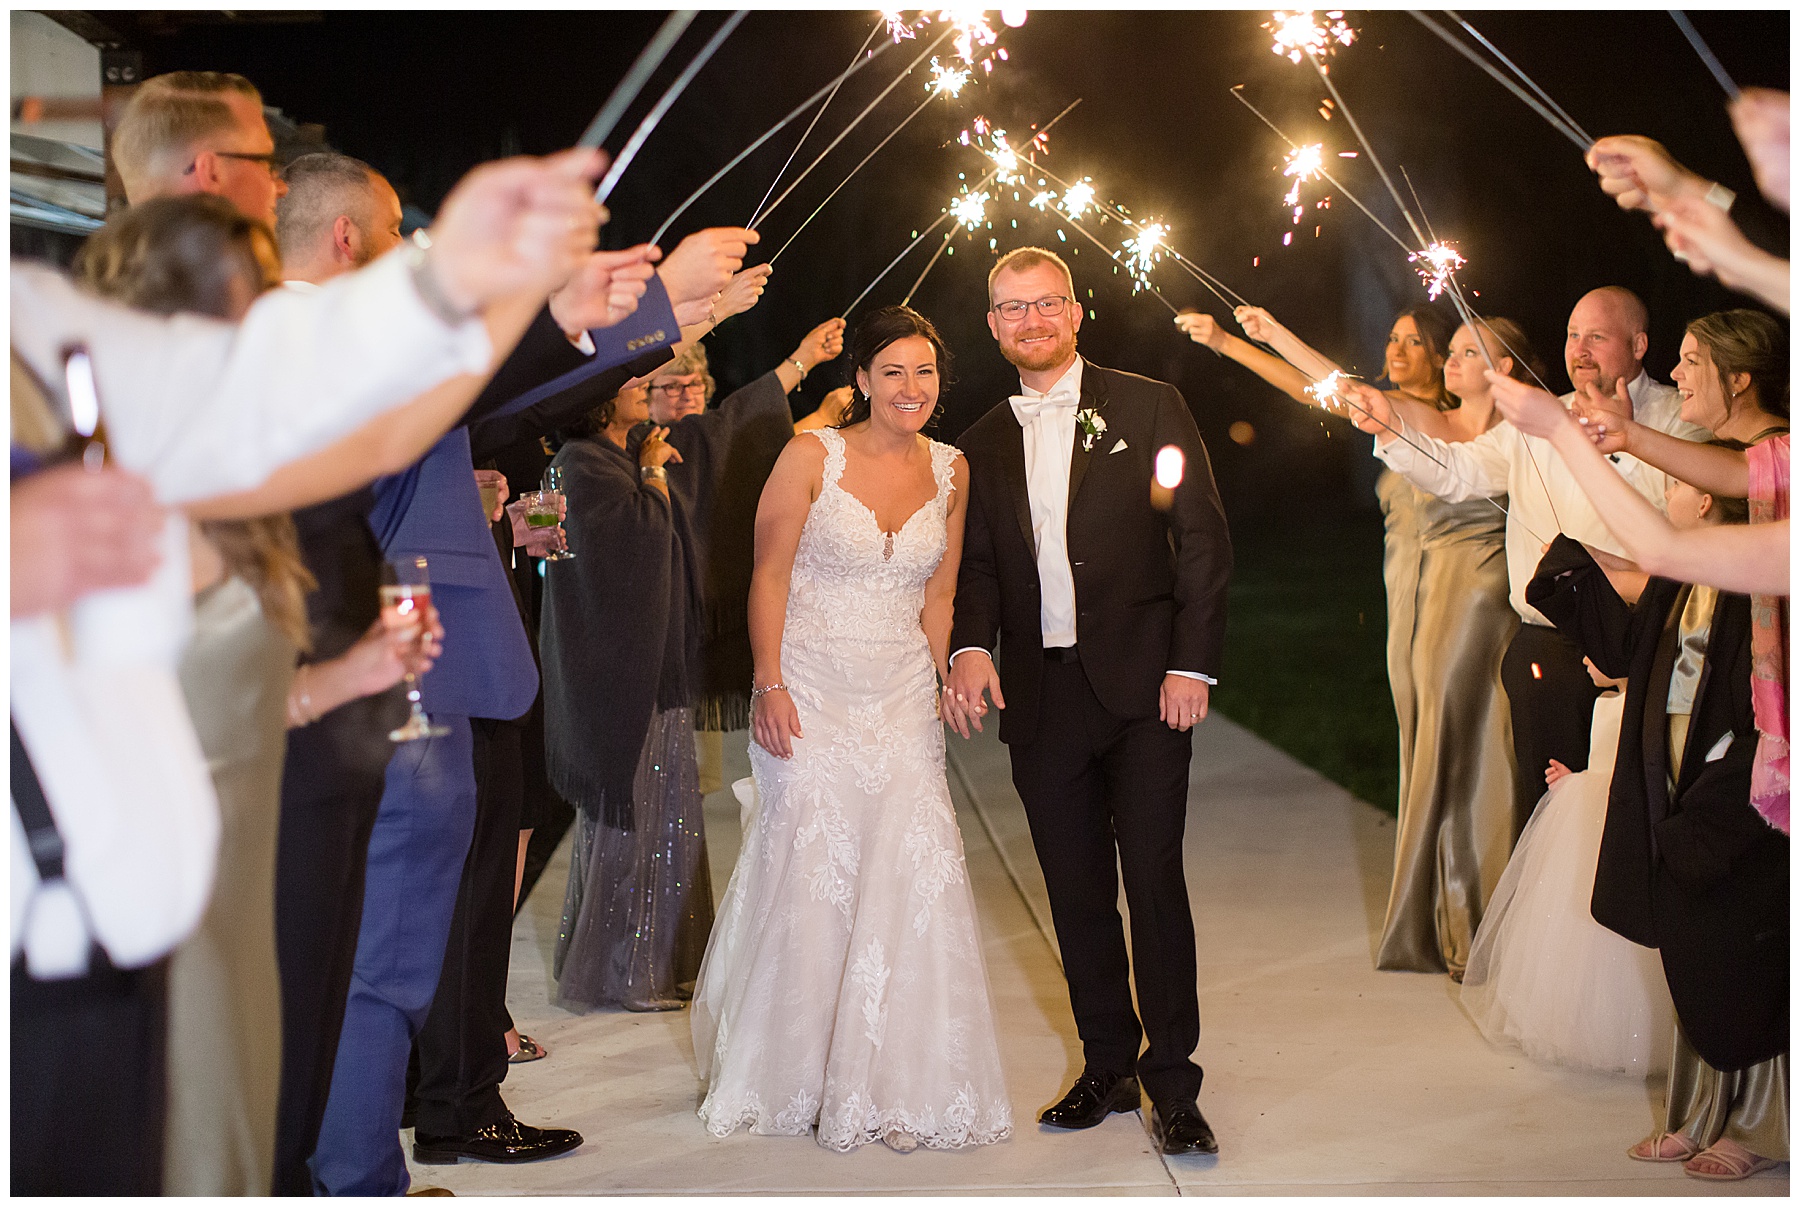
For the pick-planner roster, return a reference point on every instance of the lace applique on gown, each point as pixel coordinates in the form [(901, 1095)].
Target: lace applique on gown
[(844, 987)]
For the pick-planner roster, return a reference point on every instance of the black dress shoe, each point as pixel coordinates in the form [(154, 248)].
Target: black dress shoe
[(505, 1142), (1095, 1096), (1179, 1127)]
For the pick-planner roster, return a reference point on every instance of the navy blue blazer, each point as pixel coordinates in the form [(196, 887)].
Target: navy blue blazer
[(433, 510)]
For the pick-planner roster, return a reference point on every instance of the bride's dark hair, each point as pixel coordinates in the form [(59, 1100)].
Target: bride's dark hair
[(876, 332)]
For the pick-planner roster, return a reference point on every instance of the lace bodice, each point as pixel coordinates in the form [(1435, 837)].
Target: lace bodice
[(853, 583)]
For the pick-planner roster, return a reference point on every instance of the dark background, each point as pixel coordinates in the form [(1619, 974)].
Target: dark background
[(424, 96)]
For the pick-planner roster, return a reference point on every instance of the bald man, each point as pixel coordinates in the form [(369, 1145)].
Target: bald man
[(1551, 696)]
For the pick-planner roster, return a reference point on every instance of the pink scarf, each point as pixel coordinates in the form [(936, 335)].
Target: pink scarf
[(1768, 644)]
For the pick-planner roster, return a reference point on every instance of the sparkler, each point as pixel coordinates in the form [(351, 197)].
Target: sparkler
[(1437, 263), (897, 26), (627, 89), (845, 133), (1078, 198), (946, 83), (1303, 164), (970, 210), (1297, 35), (1144, 252), (887, 21), (1559, 121), (1705, 52), (654, 118), (1324, 391), (1038, 140), (972, 30), (735, 160), (946, 80)]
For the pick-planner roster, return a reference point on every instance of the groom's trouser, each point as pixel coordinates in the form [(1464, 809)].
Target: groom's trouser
[(1093, 783)]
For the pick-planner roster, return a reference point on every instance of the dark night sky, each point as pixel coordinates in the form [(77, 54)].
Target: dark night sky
[(423, 96)]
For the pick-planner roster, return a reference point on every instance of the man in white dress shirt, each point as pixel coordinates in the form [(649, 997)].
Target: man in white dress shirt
[(1107, 615), (1551, 696)]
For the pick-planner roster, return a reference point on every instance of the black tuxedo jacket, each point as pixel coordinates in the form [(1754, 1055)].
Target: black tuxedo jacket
[(1149, 584), (1699, 874)]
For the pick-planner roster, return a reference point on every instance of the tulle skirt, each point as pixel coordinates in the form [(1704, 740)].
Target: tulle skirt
[(1543, 975)]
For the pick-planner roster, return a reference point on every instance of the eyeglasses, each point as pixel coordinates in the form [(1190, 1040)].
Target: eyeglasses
[(1049, 307), (672, 391), (266, 158)]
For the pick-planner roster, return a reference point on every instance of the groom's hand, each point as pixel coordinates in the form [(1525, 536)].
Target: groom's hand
[(971, 674), (1184, 702)]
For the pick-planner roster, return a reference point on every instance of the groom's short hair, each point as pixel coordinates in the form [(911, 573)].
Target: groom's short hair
[(1022, 258)]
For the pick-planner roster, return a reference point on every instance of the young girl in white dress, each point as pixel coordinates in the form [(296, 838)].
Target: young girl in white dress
[(1543, 975)]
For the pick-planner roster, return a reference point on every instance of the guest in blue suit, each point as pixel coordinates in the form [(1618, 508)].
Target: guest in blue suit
[(421, 840)]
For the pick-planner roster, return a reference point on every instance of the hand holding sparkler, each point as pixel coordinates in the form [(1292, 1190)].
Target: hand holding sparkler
[(1640, 174), (1258, 324), (823, 343), (604, 290), (1760, 117), (1533, 411), (1202, 328), (1607, 420), (1367, 408), (703, 263), (1704, 237)]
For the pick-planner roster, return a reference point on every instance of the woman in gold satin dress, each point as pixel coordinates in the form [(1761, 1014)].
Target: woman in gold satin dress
[(1444, 568)]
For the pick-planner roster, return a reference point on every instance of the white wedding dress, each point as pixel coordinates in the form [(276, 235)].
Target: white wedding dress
[(1543, 975), (844, 987)]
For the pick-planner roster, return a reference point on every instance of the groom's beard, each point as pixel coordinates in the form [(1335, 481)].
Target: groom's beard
[(1038, 357)]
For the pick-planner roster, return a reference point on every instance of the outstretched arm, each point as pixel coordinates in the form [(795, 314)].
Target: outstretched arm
[(940, 589), (1708, 467), (1750, 558), (1204, 329)]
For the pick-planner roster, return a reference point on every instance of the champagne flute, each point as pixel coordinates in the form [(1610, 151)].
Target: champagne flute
[(554, 504), (406, 596)]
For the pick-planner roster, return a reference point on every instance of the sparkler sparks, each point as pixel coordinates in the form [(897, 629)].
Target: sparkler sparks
[(970, 209), (1324, 391), (1435, 265), (1297, 34), (1303, 164), (897, 25), (946, 80), (1078, 198), (972, 31), (1143, 252), (1043, 201)]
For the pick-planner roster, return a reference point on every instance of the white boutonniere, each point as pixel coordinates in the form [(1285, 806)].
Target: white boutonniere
[(1092, 427)]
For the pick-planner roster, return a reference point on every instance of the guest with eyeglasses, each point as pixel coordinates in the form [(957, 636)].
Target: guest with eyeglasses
[(199, 132)]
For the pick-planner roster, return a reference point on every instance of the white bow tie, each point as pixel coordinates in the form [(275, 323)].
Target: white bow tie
[(1027, 407)]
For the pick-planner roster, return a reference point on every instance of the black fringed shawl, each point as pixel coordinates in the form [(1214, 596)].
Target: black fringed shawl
[(619, 626), (727, 454)]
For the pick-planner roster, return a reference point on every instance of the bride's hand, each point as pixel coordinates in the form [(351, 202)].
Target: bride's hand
[(775, 723)]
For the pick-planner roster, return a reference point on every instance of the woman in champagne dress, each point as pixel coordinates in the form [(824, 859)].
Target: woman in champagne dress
[(844, 992)]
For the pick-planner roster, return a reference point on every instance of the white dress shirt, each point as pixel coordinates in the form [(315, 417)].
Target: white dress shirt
[(200, 408), (1542, 496), (1047, 421)]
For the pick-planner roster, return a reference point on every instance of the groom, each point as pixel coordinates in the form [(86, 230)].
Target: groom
[(1110, 614)]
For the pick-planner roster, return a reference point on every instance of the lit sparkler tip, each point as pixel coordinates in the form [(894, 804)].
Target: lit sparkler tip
[(1043, 201), (972, 31), (1012, 18), (897, 26), (1143, 252), (1298, 35), (1078, 198), (947, 80), (1325, 389), (1436, 264), (970, 209)]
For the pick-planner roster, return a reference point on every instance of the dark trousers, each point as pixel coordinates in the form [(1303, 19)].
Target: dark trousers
[(1552, 702), (1094, 784), (459, 1057), (319, 870), (89, 1077)]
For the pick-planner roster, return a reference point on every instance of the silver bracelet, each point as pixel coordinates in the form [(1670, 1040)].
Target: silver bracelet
[(757, 693), (431, 290), (795, 361), (652, 473)]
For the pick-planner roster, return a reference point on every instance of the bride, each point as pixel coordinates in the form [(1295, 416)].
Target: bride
[(844, 987)]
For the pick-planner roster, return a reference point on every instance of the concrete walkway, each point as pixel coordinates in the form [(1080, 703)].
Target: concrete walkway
[(1322, 1075)]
